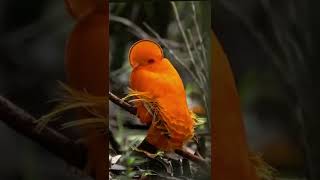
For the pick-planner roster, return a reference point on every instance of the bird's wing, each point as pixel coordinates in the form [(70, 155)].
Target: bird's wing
[(157, 84)]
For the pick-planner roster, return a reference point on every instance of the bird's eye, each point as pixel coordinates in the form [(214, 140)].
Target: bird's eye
[(150, 61)]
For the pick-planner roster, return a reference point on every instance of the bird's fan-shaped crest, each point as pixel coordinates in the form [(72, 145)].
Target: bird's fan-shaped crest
[(143, 48)]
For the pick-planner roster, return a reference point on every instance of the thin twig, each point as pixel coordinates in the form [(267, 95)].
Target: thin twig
[(175, 10), (192, 157), (133, 26), (193, 42), (139, 32), (160, 40), (193, 76), (194, 18), (123, 104), (199, 71)]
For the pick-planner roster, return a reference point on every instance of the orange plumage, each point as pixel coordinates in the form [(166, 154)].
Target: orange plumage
[(154, 77), (86, 65), (81, 8), (230, 153)]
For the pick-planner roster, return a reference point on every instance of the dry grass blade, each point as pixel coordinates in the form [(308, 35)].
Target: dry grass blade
[(196, 49), (175, 10), (182, 63), (264, 170), (200, 78), (139, 32), (72, 99), (194, 18), (199, 121), (83, 122), (153, 107)]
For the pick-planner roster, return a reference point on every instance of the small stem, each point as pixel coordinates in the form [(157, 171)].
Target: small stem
[(175, 10), (192, 157), (123, 104), (194, 18)]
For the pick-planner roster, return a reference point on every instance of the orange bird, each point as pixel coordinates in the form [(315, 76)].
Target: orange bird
[(160, 97), (86, 65)]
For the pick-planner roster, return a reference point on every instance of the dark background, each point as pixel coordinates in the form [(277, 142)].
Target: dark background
[(32, 39), (273, 50)]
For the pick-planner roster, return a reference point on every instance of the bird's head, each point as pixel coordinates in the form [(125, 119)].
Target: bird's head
[(145, 52)]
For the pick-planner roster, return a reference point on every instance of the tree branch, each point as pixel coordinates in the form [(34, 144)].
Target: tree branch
[(53, 141), (123, 104), (196, 159)]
